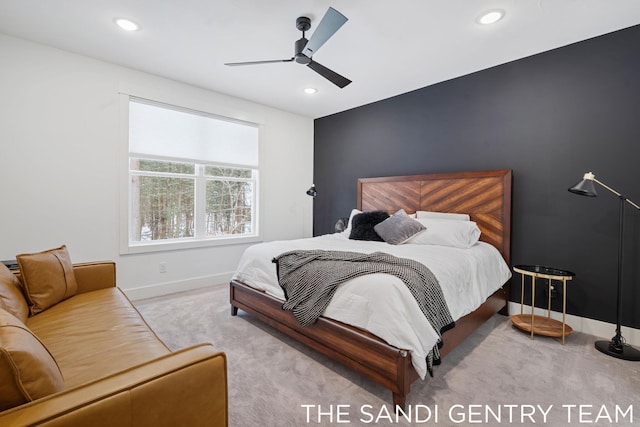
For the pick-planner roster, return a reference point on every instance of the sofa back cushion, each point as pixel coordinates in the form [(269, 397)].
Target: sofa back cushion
[(11, 297), (47, 277), (27, 369)]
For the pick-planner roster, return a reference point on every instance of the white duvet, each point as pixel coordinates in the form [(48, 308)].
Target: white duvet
[(381, 303)]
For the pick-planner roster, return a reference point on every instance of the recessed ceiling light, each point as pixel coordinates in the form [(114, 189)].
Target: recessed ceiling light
[(310, 90), (491, 17), (126, 24)]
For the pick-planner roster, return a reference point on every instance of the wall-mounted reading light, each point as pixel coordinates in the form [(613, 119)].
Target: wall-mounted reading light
[(312, 191)]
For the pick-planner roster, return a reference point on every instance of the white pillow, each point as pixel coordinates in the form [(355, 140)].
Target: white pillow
[(443, 215), (444, 232)]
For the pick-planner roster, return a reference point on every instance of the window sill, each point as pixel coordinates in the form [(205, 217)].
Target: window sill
[(175, 245)]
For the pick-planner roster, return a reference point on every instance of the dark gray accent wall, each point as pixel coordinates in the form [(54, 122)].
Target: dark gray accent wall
[(550, 118)]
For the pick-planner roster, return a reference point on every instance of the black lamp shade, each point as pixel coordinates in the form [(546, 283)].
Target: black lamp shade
[(584, 188)]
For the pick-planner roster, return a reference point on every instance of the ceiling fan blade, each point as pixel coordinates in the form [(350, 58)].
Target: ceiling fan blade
[(328, 74), (235, 64), (330, 23)]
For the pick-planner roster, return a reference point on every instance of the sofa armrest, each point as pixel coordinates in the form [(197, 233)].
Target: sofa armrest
[(187, 387), (96, 275)]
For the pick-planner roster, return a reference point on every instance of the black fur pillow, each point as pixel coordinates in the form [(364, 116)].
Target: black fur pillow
[(362, 225)]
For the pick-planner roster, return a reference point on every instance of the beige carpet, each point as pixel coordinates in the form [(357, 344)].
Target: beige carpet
[(499, 376)]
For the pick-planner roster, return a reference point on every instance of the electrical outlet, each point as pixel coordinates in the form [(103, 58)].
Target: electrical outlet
[(163, 267)]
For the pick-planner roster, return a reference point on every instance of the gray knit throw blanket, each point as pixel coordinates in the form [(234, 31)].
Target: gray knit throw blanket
[(310, 278)]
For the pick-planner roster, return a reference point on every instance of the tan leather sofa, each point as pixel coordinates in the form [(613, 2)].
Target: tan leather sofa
[(92, 360)]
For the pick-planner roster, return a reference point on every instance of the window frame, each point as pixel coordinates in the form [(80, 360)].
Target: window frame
[(127, 246)]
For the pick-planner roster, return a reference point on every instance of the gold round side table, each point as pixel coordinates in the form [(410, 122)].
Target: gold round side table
[(543, 325)]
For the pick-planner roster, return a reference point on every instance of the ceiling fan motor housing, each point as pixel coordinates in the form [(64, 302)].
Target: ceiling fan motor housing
[(302, 24), (299, 56)]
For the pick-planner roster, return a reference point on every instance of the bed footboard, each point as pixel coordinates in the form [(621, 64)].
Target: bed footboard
[(357, 349), (353, 347)]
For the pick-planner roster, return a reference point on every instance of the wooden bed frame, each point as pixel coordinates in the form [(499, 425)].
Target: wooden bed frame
[(485, 196)]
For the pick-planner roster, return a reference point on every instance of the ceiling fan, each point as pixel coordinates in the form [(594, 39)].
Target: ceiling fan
[(304, 49)]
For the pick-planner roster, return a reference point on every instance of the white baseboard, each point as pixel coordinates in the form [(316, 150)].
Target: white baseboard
[(597, 328), (167, 288)]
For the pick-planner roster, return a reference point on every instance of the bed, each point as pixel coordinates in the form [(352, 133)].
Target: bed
[(485, 196)]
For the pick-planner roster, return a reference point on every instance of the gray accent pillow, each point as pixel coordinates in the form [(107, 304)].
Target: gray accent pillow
[(398, 228)]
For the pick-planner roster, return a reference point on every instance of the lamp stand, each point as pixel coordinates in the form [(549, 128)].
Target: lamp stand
[(617, 346)]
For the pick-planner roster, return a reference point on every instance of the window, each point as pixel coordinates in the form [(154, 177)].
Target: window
[(193, 177)]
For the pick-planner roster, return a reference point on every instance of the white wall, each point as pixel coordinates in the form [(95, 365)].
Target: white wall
[(60, 165)]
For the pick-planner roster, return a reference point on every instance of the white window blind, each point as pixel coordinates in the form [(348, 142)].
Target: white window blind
[(166, 132)]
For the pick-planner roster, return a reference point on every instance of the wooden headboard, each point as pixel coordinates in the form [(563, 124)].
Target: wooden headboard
[(485, 196)]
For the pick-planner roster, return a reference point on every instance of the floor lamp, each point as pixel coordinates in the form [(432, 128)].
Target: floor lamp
[(617, 346)]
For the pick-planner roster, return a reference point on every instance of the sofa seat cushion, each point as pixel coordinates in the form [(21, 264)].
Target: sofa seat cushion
[(95, 334)]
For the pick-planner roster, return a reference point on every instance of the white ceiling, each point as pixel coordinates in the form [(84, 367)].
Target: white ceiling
[(386, 48)]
